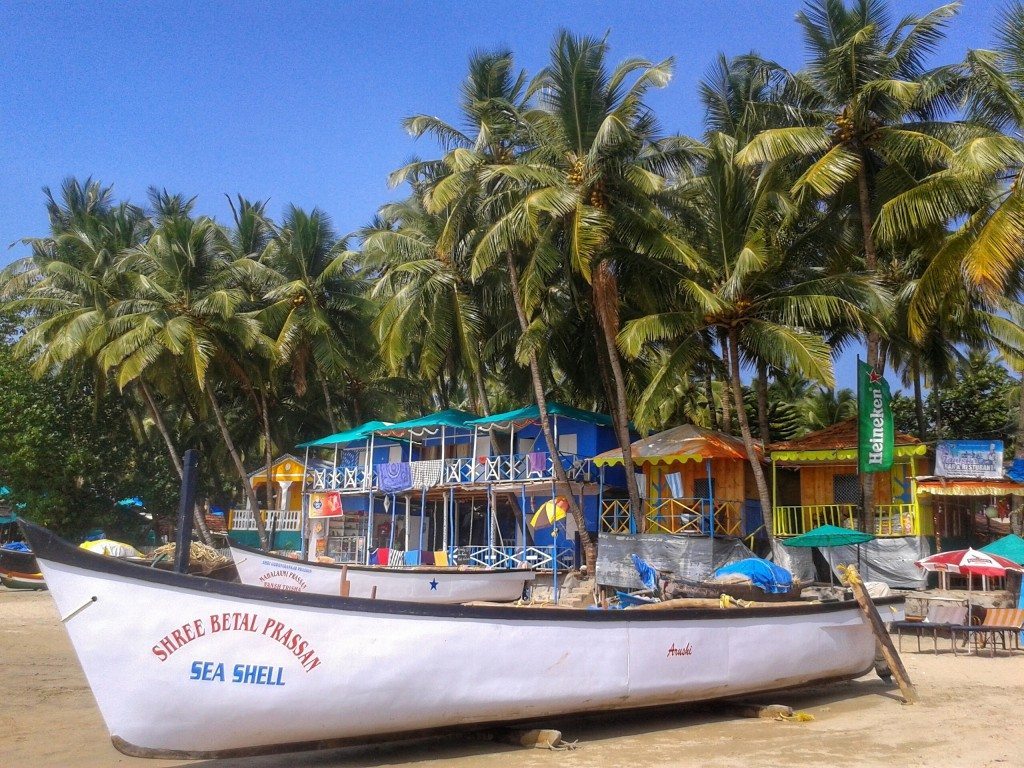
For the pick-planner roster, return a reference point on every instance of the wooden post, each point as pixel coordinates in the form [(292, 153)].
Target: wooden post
[(346, 586), (186, 505), (373, 592), (852, 579)]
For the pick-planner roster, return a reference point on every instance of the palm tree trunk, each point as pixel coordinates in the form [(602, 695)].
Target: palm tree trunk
[(481, 390), (622, 428), (871, 264), (709, 396), (327, 401), (762, 404), (254, 504), (748, 439), (919, 402), (198, 517), (726, 409), (589, 544), (268, 453)]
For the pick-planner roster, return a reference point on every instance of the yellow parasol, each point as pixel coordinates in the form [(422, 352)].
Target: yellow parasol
[(549, 513)]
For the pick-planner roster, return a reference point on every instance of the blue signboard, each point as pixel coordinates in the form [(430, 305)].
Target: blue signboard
[(969, 458)]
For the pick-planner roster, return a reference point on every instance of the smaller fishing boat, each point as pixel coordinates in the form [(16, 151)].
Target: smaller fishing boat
[(738, 590), (418, 584), (19, 569)]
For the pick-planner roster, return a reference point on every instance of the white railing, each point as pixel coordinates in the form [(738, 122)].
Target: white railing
[(516, 557), (524, 467), (276, 519)]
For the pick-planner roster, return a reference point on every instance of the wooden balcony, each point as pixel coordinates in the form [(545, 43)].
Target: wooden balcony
[(675, 516), (891, 520)]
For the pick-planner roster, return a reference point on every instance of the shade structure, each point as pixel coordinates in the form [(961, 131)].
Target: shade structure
[(968, 562), (531, 414), (432, 423), (828, 536), (549, 513), (341, 438), (679, 444), (1010, 547)]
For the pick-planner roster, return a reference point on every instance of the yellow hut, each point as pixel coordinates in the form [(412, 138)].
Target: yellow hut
[(815, 482), (691, 475), (285, 515)]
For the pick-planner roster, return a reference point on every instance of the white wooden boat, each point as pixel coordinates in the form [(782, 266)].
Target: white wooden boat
[(186, 667), (419, 584)]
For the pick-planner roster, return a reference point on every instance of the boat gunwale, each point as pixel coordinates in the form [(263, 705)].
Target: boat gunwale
[(50, 547), (386, 568)]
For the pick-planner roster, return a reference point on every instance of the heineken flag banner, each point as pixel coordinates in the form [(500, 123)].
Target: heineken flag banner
[(877, 435)]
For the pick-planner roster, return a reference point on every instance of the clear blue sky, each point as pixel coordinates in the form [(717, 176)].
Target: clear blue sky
[(302, 102)]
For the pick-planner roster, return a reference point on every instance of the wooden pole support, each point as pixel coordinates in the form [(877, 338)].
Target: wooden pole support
[(852, 579), (346, 585), (373, 592)]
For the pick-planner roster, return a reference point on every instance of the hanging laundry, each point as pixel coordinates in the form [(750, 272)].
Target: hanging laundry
[(381, 556), (396, 476), (327, 504), (426, 474), (396, 557), (426, 557), (441, 558), (412, 557), (537, 463), (675, 484)]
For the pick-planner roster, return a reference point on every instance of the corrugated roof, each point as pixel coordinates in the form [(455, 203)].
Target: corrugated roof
[(837, 437), (683, 443)]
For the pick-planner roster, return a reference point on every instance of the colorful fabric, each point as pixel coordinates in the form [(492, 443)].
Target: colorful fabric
[(412, 557), (381, 556), (426, 557), (396, 557), (441, 558), (426, 474), (395, 476), (537, 462), (325, 504)]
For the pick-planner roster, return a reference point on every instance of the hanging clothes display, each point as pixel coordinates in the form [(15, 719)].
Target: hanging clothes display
[(395, 476), (426, 474)]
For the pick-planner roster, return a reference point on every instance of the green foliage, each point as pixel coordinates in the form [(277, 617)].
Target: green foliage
[(981, 404), (70, 455)]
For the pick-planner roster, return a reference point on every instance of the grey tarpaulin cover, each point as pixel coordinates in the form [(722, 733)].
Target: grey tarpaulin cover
[(886, 560), (798, 561), (688, 557)]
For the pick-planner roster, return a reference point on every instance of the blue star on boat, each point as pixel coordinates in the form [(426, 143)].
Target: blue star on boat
[(433, 585)]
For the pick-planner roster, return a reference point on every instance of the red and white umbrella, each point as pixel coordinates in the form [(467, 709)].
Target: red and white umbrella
[(968, 562)]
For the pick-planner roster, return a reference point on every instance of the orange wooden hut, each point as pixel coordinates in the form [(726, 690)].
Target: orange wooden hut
[(691, 476)]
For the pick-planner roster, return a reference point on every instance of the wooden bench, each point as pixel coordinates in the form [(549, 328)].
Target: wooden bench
[(940, 617), (997, 625)]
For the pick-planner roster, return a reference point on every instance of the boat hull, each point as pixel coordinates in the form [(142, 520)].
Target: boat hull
[(417, 584), (15, 580), (13, 561), (186, 667)]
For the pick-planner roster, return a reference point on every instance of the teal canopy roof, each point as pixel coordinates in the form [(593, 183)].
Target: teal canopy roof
[(828, 536), (432, 423), (531, 413), (361, 432), (1010, 546)]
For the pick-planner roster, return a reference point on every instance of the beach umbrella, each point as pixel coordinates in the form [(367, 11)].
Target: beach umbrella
[(1010, 547), (549, 513), (827, 536), (968, 562)]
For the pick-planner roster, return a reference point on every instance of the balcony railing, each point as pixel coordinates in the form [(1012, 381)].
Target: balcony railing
[(516, 557), (277, 519), (891, 520), (676, 516), (518, 468)]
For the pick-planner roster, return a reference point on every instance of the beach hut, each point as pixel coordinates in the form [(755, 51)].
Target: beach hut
[(815, 482), (285, 476), (689, 477)]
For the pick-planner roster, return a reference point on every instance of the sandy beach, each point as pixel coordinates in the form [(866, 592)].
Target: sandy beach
[(968, 716)]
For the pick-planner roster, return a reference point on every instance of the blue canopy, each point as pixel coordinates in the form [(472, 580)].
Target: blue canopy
[(531, 413), (433, 422), (770, 577), (361, 432)]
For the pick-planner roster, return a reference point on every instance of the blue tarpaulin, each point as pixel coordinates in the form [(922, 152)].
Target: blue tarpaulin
[(17, 546), (770, 577), (648, 576)]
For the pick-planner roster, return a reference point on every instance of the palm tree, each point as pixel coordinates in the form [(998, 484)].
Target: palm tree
[(431, 316), (181, 312)]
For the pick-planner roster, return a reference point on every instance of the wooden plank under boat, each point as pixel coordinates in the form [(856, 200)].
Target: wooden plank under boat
[(186, 667), (420, 584)]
